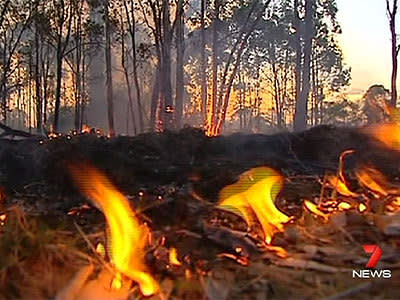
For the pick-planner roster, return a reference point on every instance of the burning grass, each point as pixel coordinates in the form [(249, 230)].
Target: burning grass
[(267, 235), (322, 246)]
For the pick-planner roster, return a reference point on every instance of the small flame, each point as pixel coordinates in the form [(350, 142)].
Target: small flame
[(254, 194), (373, 180), (85, 128), (362, 207), (279, 251), (394, 206), (116, 283), (173, 257), (340, 186), (311, 207), (101, 250), (128, 237), (343, 206), (3, 218)]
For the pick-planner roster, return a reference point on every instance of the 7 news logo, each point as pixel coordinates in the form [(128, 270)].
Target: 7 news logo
[(376, 253)]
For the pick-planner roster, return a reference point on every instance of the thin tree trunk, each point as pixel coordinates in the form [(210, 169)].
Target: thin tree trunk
[(128, 82), (37, 82), (180, 49), (203, 62), (132, 31), (109, 82), (297, 72), (155, 99), (212, 114), (395, 49), (300, 120)]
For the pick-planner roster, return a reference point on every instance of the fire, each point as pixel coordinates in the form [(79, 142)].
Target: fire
[(101, 250), (173, 257), (128, 237), (362, 207), (311, 207), (340, 186), (344, 206), (3, 218), (394, 205), (254, 195), (85, 128), (388, 134), (373, 180)]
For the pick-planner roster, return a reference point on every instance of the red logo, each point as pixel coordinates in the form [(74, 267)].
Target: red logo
[(376, 255)]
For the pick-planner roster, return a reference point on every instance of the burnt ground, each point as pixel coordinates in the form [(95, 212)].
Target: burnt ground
[(174, 179)]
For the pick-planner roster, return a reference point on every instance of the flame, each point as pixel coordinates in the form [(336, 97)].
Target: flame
[(3, 218), (311, 207), (340, 186), (173, 257), (254, 195), (85, 128), (372, 179), (344, 206), (101, 250), (394, 205), (128, 237), (387, 133), (116, 283), (362, 207), (279, 251)]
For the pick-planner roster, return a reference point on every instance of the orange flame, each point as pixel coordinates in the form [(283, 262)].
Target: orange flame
[(373, 180), (173, 257), (128, 237), (254, 194), (85, 128), (340, 186), (388, 134), (394, 205), (311, 207)]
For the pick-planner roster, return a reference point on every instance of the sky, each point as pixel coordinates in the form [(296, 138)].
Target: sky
[(365, 42)]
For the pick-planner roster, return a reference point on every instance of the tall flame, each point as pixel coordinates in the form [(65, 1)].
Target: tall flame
[(254, 195), (128, 237)]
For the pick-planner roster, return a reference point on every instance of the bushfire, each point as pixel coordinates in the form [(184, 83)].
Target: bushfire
[(128, 236)]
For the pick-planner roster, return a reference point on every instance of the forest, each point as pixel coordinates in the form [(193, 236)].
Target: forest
[(130, 67)]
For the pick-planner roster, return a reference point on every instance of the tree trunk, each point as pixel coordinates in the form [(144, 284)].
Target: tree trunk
[(180, 48), (37, 82), (109, 83), (395, 50), (59, 62), (211, 115), (167, 112), (155, 99), (132, 31), (300, 118), (298, 49), (128, 83), (203, 62)]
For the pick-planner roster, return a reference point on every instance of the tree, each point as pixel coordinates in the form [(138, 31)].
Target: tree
[(392, 12), (300, 117), (63, 21), (109, 78)]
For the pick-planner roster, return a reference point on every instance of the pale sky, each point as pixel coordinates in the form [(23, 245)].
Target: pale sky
[(366, 42)]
